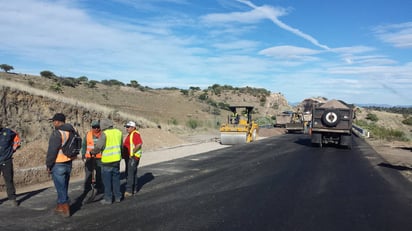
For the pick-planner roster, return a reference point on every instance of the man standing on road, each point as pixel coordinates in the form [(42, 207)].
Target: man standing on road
[(133, 148), (9, 143), (92, 162), (58, 164), (110, 145)]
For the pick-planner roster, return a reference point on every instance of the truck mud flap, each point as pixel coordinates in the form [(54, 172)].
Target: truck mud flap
[(346, 140), (316, 139)]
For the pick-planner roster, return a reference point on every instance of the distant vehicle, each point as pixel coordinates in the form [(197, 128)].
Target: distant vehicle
[(239, 129), (283, 118), (299, 122), (332, 123)]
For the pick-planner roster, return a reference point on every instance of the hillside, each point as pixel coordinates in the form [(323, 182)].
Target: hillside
[(167, 117)]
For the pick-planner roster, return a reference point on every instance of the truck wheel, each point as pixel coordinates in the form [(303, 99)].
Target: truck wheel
[(330, 118)]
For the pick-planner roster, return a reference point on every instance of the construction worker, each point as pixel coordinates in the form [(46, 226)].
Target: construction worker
[(110, 145), (92, 162), (235, 118), (9, 143), (132, 145), (58, 164)]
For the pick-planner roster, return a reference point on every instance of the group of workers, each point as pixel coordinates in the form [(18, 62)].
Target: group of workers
[(103, 148)]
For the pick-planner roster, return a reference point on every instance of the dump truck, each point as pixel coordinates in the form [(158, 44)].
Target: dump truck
[(283, 118), (239, 129), (299, 122), (295, 123), (332, 123)]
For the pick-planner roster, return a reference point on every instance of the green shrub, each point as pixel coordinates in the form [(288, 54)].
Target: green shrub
[(57, 88), (215, 111), (382, 133), (203, 96), (83, 79), (184, 92), (372, 117), (173, 121), (224, 106), (407, 121), (112, 82), (47, 74), (69, 82), (193, 124), (262, 100), (91, 84)]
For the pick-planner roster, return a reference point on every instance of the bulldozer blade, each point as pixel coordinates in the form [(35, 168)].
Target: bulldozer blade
[(233, 137)]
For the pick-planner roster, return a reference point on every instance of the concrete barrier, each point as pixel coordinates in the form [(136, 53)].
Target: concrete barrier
[(359, 131)]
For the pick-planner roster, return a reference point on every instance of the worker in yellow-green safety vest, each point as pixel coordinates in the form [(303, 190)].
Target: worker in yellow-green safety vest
[(110, 145), (132, 147)]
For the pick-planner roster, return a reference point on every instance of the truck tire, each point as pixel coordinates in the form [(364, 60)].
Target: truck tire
[(330, 118)]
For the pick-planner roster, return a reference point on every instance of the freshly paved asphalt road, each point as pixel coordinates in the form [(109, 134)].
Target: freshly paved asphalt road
[(279, 183)]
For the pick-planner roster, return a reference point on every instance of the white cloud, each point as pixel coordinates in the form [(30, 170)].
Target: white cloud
[(290, 52), (71, 38), (399, 35), (237, 45), (272, 14)]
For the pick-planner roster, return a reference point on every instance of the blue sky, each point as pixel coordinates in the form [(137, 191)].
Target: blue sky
[(356, 51)]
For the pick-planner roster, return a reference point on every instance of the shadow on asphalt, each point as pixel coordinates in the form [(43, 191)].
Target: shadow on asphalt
[(396, 167), (144, 179), (308, 142), (304, 142), (25, 196), (79, 201)]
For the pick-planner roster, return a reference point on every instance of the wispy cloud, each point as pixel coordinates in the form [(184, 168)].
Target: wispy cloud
[(272, 14), (290, 52), (181, 43), (151, 5), (399, 35)]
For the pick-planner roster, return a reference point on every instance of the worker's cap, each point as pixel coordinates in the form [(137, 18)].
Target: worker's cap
[(58, 117), (95, 123), (130, 124), (106, 123)]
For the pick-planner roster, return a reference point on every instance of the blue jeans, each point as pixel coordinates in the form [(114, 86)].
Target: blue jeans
[(111, 181), (131, 182), (61, 177)]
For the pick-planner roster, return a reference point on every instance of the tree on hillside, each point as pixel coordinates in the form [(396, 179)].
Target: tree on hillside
[(194, 88), (6, 67), (47, 74), (134, 84), (112, 82), (83, 79), (69, 81), (91, 84)]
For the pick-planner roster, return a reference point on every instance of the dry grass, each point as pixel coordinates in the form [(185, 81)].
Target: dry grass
[(388, 120)]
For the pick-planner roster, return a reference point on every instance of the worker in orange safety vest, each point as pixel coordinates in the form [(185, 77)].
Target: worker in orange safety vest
[(92, 162)]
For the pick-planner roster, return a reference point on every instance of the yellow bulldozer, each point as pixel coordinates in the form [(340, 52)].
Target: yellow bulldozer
[(239, 129)]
